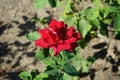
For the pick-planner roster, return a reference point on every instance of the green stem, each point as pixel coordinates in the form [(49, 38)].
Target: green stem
[(66, 6), (61, 66), (51, 56)]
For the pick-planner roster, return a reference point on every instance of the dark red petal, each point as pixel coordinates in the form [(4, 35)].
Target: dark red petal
[(64, 47), (42, 43), (55, 25), (52, 38), (53, 22), (44, 33), (70, 32), (71, 40), (71, 29), (57, 49), (73, 45), (60, 24), (49, 36), (78, 36)]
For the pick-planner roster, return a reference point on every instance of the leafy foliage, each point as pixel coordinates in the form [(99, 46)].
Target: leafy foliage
[(83, 27), (52, 3), (33, 36), (116, 23), (28, 76)]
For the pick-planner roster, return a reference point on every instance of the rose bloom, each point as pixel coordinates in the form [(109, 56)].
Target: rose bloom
[(58, 36)]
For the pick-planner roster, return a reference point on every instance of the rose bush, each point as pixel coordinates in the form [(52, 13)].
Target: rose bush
[(58, 36)]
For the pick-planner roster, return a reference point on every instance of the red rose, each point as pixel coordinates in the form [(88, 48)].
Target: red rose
[(58, 37)]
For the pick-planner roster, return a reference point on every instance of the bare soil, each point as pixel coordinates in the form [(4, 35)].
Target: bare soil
[(17, 53)]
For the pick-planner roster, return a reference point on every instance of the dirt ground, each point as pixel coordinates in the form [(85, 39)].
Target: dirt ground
[(17, 53)]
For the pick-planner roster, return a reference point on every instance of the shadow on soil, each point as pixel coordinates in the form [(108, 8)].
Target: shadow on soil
[(6, 51), (3, 27), (102, 54), (13, 75)]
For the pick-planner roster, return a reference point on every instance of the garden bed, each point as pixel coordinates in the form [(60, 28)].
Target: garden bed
[(17, 53)]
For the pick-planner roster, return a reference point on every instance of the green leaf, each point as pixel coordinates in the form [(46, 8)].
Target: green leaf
[(52, 3), (102, 32), (112, 9), (67, 77), (118, 1), (40, 4), (70, 20), (105, 11), (50, 62), (92, 13), (59, 76), (89, 27), (70, 69), (116, 23), (83, 27), (33, 36), (77, 64), (95, 22), (82, 13), (97, 3), (77, 61), (25, 75), (38, 77), (41, 76), (68, 7), (107, 21), (34, 73), (85, 68), (67, 55), (51, 71), (58, 60), (61, 3), (40, 54)]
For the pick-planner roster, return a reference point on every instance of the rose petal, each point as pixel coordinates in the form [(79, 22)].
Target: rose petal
[(71, 40), (44, 33), (49, 36), (55, 25), (78, 36), (55, 50), (71, 32), (42, 43)]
